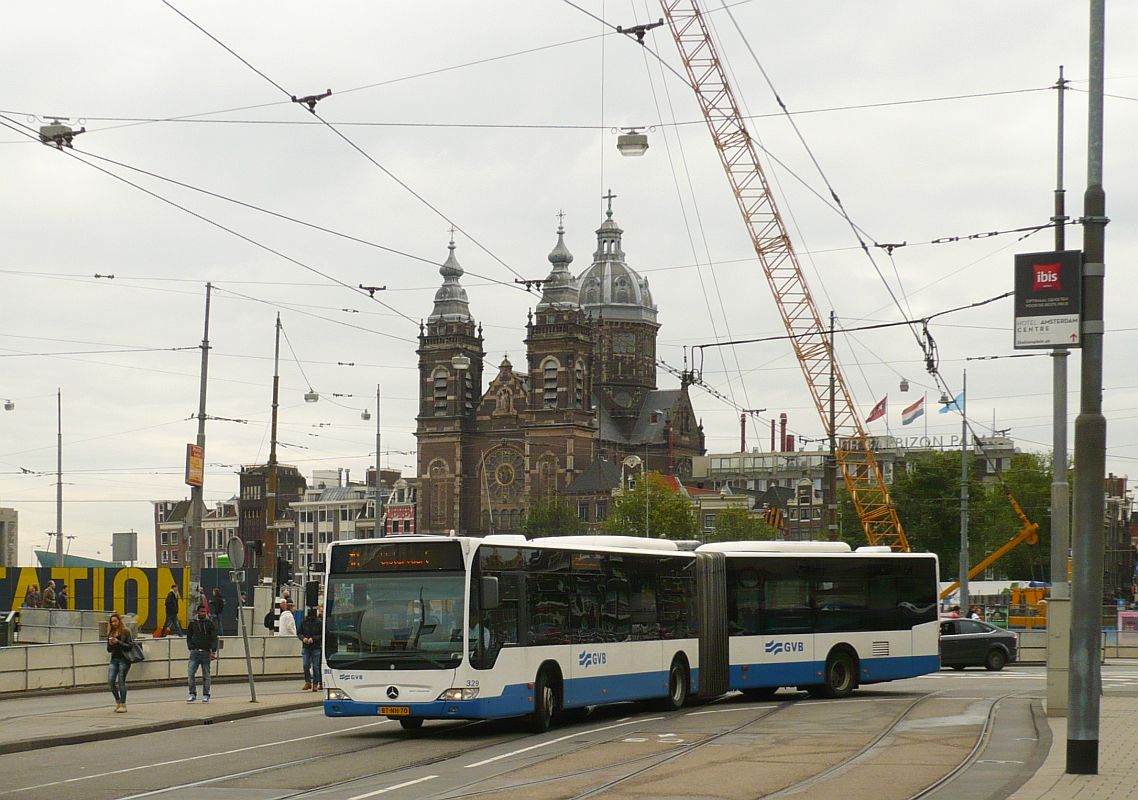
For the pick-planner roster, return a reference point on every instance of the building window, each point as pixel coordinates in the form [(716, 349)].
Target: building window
[(209, 540), (583, 511), (345, 514), (708, 522), (209, 560), (173, 537), (165, 537), (602, 510), (549, 383), (579, 385), (173, 556), (165, 557)]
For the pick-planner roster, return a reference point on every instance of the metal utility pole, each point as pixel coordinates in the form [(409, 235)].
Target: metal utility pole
[(197, 501), (378, 451), (1085, 680), (1059, 603), (59, 556), (832, 457), (964, 496), (269, 562)]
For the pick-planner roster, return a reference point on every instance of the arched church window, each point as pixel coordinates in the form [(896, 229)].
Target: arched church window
[(547, 475), (591, 292), (439, 474), (549, 369)]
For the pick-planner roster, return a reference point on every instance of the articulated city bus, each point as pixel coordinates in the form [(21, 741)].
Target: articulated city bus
[(431, 627)]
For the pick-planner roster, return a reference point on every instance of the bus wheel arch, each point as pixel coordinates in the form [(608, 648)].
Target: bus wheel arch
[(547, 694)]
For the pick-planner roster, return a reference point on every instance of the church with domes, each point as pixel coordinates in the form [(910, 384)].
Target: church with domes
[(584, 399)]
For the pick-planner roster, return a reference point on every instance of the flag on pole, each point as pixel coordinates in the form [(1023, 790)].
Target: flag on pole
[(954, 405), (914, 411), (878, 410)]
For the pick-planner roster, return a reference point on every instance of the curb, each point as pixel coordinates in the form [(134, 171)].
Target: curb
[(148, 727)]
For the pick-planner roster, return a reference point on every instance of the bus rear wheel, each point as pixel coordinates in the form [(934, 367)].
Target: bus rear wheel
[(677, 686), (544, 704), (840, 677)]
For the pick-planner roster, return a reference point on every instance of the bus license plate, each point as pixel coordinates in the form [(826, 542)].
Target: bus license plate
[(394, 711)]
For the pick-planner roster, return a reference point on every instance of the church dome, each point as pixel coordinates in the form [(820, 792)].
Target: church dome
[(451, 302), (610, 287)]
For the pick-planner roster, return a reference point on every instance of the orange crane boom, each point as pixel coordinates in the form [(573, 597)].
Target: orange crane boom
[(737, 152)]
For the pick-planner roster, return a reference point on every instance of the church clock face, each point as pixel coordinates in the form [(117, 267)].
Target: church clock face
[(622, 398), (505, 475)]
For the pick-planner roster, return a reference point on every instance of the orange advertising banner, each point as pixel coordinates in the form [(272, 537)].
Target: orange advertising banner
[(195, 465)]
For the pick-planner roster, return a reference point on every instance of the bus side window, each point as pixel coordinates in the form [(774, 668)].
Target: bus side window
[(642, 598), (585, 609), (615, 619)]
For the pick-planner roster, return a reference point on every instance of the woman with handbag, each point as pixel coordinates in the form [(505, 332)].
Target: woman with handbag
[(119, 643)]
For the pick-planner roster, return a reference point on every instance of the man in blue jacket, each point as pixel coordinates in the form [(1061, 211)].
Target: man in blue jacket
[(201, 641)]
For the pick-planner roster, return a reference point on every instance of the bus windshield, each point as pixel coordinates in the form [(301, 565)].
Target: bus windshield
[(394, 620)]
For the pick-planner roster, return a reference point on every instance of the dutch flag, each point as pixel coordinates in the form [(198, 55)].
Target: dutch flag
[(913, 412)]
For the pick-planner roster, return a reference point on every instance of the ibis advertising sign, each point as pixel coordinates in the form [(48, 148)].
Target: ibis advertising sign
[(1048, 299)]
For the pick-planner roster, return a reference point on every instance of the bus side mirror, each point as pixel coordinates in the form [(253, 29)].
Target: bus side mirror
[(489, 593)]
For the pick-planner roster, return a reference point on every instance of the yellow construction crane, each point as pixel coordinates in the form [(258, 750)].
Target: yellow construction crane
[(812, 345)]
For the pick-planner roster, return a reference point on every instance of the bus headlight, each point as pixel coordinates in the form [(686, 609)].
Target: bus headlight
[(337, 694), (459, 694)]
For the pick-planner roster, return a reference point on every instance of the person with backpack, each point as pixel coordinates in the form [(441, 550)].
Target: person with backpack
[(173, 626), (201, 641)]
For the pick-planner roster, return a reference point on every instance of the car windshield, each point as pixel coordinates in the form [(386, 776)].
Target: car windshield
[(400, 621)]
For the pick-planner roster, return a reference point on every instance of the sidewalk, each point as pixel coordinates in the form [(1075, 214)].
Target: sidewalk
[(1117, 763), (38, 720)]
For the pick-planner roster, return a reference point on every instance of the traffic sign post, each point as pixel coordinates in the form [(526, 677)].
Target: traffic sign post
[(235, 548)]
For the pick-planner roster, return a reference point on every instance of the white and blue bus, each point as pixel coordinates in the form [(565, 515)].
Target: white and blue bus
[(431, 627)]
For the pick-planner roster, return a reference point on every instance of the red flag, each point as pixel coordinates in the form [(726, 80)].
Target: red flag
[(878, 410)]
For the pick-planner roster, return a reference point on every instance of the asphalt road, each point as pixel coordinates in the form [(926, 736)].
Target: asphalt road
[(888, 741)]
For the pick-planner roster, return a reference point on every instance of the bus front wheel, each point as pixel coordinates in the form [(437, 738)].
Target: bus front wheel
[(544, 704)]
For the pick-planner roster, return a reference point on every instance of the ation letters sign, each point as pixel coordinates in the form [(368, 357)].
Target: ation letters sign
[(1048, 299)]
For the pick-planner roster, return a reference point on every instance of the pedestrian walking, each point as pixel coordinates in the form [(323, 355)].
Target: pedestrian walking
[(201, 641), (286, 623), (118, 645), (216, 606), (32, 597), (311, 634), (173, 626), (48, 600), (61, 597)]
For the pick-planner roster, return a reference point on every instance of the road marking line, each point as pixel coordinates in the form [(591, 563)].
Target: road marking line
[(559, 739), (727, 710), (198, 758), (393, 788)]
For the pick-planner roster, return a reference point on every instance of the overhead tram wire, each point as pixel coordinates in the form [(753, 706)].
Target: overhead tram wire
[(312, 109), (69, 152), (825, 179), (687, 225), (294, 220)]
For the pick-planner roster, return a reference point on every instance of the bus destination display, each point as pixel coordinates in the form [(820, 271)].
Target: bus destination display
[(397, 557)]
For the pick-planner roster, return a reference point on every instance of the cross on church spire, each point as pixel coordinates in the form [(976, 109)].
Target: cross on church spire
[(610, 196), (560, 217), (452, 230)]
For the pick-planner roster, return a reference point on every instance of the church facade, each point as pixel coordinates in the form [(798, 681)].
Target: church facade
[(585, 392)]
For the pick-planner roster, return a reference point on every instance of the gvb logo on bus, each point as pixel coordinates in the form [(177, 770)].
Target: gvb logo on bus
[(779, 648), (587, 659)]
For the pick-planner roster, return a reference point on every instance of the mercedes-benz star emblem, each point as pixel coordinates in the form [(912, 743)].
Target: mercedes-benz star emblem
[(392, 692)]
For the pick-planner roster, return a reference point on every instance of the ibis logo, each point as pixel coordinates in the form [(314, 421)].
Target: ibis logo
[(781, 648), (588, 659), (1047, 278)]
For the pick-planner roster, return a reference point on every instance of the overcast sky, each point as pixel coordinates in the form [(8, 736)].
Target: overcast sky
[(929, 121)]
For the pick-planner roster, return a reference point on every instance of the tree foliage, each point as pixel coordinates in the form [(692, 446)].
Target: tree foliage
[(551, 516), (669, 513), (927, 497), (735, 523)]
